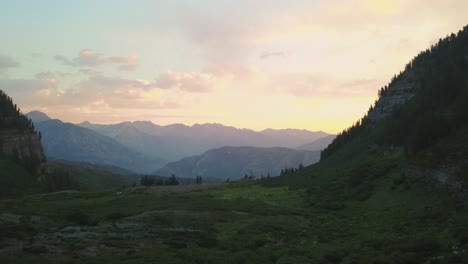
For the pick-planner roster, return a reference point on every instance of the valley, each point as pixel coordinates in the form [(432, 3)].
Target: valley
[(391, 188)]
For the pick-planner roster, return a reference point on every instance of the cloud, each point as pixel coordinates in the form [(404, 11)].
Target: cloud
[(7, 62), (64, 60), (218, 37), (49, 77), (89, 72), (89, 58), (119, 93), (191, 82), (267, 55), (115, 82)]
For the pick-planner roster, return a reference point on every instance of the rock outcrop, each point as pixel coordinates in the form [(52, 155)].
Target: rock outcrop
[(398, 92), (18, 138), (23, 147)]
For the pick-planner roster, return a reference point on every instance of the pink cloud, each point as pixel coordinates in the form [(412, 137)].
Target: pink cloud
[(89, 58)]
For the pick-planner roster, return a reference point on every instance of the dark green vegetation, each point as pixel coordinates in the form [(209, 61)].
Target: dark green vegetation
[(397, 178), (378, 195), (11, 117), (397, 221), (233, 223), (92, 178), (15, 180), (158, 181), (21, 153)]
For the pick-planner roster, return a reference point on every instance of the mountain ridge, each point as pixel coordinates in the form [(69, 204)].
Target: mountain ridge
[(176, 141), (234, 162), (71, 142)]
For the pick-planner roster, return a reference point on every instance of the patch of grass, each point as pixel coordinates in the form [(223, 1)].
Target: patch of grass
[(279, 196)]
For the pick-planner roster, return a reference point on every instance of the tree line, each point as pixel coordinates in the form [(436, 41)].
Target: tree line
[(149, 180)]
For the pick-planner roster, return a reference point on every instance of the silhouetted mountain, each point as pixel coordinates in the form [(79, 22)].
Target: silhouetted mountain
[(71, 142), (176, 141), (318, 144), (235, 162), (38, 116)]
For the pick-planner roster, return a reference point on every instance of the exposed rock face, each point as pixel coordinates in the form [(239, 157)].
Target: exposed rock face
[(22, 146), (398, 93), (18, 138)]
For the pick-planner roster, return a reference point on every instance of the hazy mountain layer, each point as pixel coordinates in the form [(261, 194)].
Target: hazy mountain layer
[(318, 144), (71, 142), (235, 162), (176, 141)]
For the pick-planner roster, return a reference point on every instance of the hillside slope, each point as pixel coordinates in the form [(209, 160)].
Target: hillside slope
[(21, 153), (18, 138), (235, 162), (392, 188)]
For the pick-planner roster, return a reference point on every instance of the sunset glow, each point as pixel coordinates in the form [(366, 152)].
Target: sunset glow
[(313, 65)]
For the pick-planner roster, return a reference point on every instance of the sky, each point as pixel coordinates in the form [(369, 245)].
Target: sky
[(314, 64)]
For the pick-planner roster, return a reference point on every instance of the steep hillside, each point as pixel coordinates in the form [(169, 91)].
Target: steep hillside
[(95, 178), (235, 162), (15, 180), (21, 154), (392, 188), (18, 138), (74, 143), (421, 105)]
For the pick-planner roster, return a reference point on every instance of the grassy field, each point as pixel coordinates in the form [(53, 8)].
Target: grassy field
[(361, 205), (236, 223)]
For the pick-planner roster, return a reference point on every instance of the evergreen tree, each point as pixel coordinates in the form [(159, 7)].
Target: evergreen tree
[(172, 180)]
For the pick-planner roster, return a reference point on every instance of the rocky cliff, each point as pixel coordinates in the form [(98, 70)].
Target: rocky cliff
[(18, 138), (399, 90)]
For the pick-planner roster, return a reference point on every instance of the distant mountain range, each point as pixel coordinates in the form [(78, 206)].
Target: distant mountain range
[(177, 141), (234, 162), (74, 143), (144, 147), (318, 144)]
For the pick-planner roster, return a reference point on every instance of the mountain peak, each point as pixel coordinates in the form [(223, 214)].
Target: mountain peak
[(85, 123), (38, 116)]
